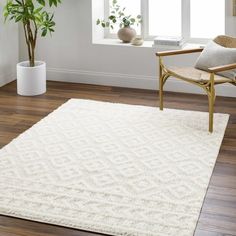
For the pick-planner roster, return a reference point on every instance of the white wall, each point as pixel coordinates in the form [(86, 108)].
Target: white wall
[(71, 56), (8, 50)]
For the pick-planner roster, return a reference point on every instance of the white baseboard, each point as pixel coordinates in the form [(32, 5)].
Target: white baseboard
[(7, 78), (130, 81)]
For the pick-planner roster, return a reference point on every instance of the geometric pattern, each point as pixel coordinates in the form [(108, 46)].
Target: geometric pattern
[(116, 169)]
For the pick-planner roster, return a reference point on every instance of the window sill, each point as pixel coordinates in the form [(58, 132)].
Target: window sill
[(146, 44), (117, 42)]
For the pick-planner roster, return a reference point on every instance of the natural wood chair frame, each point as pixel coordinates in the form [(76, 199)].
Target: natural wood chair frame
[(207, 86)]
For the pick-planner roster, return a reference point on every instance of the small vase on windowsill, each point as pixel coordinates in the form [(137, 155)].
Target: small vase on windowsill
[(124, 21), (126, 34)]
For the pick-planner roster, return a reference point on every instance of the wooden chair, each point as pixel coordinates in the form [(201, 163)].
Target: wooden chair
[(200, 78)]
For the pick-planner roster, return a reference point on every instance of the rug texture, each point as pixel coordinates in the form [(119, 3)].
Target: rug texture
[(112, 168)]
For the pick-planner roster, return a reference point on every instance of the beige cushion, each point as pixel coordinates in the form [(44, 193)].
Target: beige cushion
[(193, 74), (216, 55), (226, 41)]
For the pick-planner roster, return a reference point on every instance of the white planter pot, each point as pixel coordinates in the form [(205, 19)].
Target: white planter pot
[(31, 81)]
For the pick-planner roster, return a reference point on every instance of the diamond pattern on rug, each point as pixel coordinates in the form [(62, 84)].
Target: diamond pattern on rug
[(110, 168)]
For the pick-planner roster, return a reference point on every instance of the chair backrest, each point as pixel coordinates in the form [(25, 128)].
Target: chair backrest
[(226, 41)]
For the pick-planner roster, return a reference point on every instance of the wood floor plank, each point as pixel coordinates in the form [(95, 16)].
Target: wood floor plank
[(17, 114)]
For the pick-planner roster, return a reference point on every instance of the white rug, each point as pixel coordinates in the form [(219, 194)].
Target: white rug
[(112, 168)]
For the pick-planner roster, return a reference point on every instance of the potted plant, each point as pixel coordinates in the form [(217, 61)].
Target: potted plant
[(31, 74), (118, 16)]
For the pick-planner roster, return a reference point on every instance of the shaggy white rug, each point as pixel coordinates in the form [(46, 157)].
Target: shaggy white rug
[(112, 168)]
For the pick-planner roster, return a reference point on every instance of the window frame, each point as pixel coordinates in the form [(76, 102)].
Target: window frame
[(186, 21)]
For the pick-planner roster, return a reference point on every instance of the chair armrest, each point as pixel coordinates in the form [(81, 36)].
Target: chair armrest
[(222, 68), (178, 52)]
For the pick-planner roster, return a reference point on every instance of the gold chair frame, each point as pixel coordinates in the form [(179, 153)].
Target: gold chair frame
[(207, 86)]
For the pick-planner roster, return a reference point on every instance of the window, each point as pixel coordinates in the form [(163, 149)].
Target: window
[(131, 9), (192, 19), (159, 23), (211, 22)]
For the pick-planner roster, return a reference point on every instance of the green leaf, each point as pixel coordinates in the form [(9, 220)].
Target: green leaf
[(119, 17), (41, 2), (44, 32), (112, 17), (18, 18)]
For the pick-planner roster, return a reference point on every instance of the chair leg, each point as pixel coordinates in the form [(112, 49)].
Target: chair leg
[(161, 93), (211, 114), (161, 85), (211, 97)]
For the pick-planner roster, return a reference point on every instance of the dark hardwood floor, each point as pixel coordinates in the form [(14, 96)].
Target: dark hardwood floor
[(218, 217)]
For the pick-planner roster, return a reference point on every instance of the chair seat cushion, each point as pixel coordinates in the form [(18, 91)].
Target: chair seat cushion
[(193, 74), (216, 55)]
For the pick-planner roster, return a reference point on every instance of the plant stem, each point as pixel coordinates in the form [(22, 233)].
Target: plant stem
[(27, 42), (30, 39), (32, 62)]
